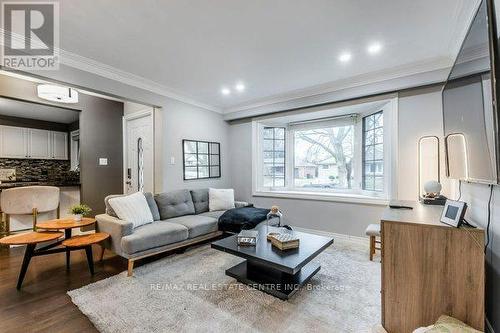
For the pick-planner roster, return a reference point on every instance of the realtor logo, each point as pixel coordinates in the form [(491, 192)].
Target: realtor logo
[(30, 35)]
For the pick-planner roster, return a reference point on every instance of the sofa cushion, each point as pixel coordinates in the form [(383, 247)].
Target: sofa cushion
[(197, 225), (200, 200), (153, 235), (132, 208), (152, 205), (215, 214), (175, 203), (149, 196)]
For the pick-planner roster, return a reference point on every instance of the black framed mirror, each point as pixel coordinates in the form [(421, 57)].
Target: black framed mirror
[(201, 159)]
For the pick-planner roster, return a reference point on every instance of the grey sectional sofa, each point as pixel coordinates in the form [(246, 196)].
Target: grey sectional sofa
[(181, 218)]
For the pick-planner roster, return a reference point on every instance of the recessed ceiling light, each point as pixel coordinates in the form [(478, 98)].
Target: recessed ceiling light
[(240, 87), (374, 48), (225, 91), (345, 57)]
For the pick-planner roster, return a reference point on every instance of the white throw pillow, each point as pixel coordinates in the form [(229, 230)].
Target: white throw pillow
[(132, 208), (220, 199)]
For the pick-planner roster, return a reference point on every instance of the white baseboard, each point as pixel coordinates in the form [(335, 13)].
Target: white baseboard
[(357, 239), (489, 328)]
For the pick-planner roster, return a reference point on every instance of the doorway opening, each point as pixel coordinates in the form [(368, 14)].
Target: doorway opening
[(138, 148)]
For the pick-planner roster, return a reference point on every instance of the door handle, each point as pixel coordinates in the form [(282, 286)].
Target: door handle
[(128, 182)]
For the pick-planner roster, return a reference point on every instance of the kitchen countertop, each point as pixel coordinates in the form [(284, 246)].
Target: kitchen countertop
[(7, 185)]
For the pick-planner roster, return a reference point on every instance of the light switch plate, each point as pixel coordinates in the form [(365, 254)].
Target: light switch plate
[(103, 161), (172, 160)]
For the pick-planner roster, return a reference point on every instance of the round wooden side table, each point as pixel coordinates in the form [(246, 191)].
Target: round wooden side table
[(30, 239), (66, 224), (85, 242)]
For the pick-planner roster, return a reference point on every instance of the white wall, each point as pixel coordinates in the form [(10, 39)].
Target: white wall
[(419, 115), (183, 121), (130, 107)]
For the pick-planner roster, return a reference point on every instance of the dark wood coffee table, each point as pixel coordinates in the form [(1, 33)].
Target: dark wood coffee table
[(276, 272)]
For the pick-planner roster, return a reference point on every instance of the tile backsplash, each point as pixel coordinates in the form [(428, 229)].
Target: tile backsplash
[(40, 170)]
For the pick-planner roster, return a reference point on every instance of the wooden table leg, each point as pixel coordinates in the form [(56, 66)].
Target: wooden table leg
[(67, 235), (30, 248), (90, 258), (372, 247), (102, 252)]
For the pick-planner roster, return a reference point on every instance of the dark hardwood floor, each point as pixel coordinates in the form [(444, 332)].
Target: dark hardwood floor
[(42, 304)]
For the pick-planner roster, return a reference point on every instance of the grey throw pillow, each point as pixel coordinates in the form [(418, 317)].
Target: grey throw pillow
[(175, 203), (152, 206), (200, 200), (109, 209)]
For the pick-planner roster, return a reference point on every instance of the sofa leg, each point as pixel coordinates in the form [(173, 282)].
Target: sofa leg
[(130, 267)]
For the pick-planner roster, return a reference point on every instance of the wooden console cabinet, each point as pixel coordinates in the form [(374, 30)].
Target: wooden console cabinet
[(430, 269)]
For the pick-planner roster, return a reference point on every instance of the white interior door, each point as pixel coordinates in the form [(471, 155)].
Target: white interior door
[(138, 154)]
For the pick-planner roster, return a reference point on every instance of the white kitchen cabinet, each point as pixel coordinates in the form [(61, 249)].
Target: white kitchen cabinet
[(39, 143), (13, 142), (60, 145), (19, 142)]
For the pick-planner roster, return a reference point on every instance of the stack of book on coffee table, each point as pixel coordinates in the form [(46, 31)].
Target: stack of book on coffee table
[(284, 241)]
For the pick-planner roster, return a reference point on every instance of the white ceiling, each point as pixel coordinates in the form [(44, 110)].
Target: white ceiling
[(192, 48), (15, 108)]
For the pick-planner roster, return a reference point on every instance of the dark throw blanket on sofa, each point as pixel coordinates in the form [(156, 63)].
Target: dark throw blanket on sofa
[(244, 218)]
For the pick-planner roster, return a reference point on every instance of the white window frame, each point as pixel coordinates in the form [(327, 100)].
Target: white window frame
[(361, 196)]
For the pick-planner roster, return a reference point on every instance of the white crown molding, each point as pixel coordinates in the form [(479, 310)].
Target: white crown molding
[(296, 97), (458, 29), (475, 53), (109, 72), (89, 65)]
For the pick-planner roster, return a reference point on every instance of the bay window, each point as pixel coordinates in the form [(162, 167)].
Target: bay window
[(373, 152), (341, 155), (324, 154)]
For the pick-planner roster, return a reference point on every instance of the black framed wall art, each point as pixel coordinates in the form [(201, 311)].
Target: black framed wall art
[(201, 159)]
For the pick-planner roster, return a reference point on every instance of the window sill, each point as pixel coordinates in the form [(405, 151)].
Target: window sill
[(335, 197)]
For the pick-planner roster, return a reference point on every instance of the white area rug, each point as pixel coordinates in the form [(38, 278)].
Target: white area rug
[(191, 293)]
